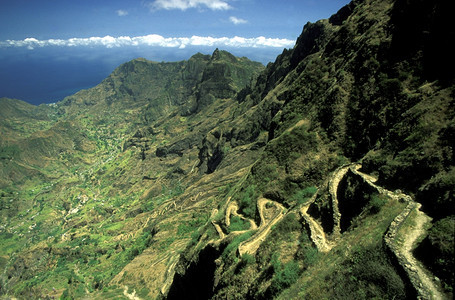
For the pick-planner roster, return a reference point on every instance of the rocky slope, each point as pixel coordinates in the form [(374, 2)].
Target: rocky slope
[(216, 178)]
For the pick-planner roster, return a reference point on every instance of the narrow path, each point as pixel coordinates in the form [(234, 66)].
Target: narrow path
[(370, 180), (333, 190), (131, 296), (317, 233), (231, 210), (356, 167), (402, 227), (421, 278), (219, 230), (252, 244), (417, 231), (406, 229), (232, 207), (169, 274)]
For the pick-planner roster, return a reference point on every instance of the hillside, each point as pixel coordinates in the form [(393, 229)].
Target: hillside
[(327, 174)]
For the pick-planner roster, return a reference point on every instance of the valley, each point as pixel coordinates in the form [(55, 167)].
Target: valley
[(327, 174)]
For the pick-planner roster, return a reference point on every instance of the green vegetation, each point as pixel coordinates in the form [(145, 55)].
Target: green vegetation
[(166, 194), (238, 224), (289, 224), (302, 196), (234, 244), (192, 225), (285, 275), (368, 275), (248, 259), (248, 201), (377, 202), (140, 244), (439, 243), (118, 185), (298, 140), (8, 152)]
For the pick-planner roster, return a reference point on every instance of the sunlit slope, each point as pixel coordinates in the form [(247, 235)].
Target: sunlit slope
[(314, 177)]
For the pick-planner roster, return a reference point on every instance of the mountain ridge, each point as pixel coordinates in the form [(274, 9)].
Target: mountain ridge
[(156, 199)]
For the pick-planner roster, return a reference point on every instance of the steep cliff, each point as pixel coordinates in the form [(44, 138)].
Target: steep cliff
[(327, 174)]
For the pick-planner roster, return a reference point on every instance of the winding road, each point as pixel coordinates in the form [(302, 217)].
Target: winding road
[(334, 182), (252, 244), (403, 234), (417, 231), (317, 234)]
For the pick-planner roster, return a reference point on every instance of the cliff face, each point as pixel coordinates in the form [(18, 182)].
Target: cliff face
[(363, 80), (216, 178), (356, 87)]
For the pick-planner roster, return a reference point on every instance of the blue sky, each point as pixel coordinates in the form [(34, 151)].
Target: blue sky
[(52, 48)]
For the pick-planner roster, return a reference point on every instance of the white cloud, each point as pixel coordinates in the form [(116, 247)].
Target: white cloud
[(121, 12), (153, 40), (237, 21), (185, 4)]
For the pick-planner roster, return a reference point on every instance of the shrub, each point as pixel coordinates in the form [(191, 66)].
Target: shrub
[(311, 255), (7, 152), (288, 225), (299, 140), (236, 242), (65, 295), (238, 224), (248, 258), (368, 274), (440, 243), (284, 276), (302, 196), (190, 226), (141, 243), (248, 201), (306, 252), (377, 202)]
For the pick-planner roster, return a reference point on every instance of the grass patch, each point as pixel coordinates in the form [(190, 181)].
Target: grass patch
[(236, 242), (238, 224), (302, 196), (377, 202), (285, 275), (357, 268), (248, 201), (190, 226)]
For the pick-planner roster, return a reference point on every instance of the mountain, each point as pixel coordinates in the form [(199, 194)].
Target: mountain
[(327, 174)]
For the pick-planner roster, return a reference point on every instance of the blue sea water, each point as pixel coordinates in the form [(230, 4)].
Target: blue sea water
[(47, 75)]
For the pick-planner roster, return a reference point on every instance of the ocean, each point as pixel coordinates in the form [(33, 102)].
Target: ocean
[(48, 74)]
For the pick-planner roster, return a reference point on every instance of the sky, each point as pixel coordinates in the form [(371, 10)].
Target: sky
[(50, 49)]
